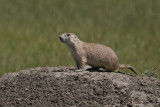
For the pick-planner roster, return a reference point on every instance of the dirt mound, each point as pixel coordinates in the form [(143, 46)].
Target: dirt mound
[(62, 86)]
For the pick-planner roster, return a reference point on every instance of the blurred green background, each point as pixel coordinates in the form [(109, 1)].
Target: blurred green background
[(29, 31)]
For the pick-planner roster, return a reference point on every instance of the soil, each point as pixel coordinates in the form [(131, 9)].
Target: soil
[(64, 87)]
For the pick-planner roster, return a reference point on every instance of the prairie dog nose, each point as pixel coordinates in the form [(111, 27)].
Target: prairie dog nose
[(61, 39)]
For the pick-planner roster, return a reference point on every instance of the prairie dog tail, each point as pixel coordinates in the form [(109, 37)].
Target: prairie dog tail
[(122, 66)]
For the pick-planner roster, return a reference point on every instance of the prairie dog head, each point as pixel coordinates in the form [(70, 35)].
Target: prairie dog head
[(69, 38)]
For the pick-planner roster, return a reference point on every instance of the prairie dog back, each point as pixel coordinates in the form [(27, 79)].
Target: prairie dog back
[(100, 56)]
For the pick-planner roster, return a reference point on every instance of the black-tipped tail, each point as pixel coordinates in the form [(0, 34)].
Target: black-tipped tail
[(127, 66)]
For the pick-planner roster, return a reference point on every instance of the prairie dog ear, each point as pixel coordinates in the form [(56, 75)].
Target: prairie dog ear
[(74, 35), (73, 39)]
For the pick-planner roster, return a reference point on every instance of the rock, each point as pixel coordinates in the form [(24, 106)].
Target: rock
[(62, 86)]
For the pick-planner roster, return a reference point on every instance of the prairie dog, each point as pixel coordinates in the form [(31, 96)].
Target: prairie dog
[(95, 55)]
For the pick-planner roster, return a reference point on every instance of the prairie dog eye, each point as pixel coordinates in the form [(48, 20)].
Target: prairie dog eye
[(68, 34)]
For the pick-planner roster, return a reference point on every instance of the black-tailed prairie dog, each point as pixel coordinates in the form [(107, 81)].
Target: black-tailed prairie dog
[(94, 55)]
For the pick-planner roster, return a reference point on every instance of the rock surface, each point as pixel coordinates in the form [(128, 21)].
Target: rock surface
[(62, 86)]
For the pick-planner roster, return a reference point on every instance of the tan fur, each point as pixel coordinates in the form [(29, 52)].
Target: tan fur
[(95, 55)]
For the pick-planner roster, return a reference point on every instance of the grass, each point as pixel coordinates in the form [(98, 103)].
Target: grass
[(29, 31)]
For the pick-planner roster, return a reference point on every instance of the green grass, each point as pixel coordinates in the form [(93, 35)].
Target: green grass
[(29, 31)]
